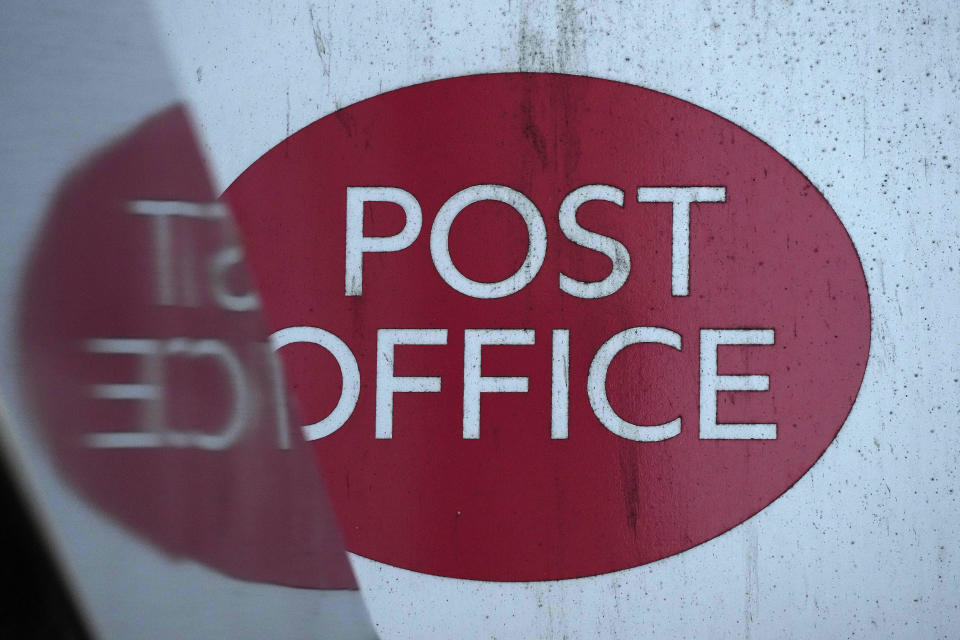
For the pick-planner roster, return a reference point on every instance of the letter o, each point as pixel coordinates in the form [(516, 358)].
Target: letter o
[(440, 236), (349, 371)]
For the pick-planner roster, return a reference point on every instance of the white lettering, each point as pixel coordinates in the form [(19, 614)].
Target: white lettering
[(711, 383), (474, 383), (681, 197), (560, 387), (597, 384), (440, 238), (602, 244), (358, 244), (349, 372), (388, 384)]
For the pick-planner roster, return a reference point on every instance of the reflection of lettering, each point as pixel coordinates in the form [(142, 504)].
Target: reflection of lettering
[(220, 264), (177, 273), (151, 390), (186, 278)]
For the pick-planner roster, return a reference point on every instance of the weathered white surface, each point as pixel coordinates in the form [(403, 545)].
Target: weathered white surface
[(864, 100)]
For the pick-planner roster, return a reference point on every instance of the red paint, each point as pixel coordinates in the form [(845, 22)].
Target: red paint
[(514, 504), (253, 510)]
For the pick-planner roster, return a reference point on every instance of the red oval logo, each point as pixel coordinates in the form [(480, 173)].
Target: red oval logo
[(548, 326)]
